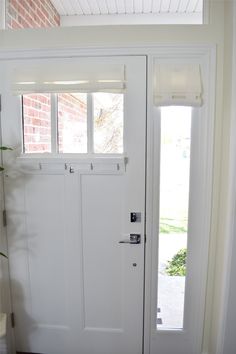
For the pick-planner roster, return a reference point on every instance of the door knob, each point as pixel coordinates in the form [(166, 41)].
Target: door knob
[(134, 239)]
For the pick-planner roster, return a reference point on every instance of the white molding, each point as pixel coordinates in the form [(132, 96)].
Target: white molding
[(133, 19), (188, 50), (231, 207), (2, 14), (206, 12)]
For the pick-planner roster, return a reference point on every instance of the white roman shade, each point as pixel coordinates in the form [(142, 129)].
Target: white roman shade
[(177, 85), (68, 76)]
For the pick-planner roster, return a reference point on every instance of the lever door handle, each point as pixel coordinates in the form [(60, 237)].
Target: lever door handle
[(134, 239)]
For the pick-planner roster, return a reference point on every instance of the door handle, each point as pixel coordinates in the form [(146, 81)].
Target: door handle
[(134, 239)]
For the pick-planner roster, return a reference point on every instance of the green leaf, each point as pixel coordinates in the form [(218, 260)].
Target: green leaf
[(5, 148), (3, 255), (177, 265)]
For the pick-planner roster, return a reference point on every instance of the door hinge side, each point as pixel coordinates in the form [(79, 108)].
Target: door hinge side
[(12, 320), (4, 218)]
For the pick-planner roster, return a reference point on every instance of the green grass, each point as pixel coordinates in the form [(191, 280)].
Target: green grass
[(168, 226)]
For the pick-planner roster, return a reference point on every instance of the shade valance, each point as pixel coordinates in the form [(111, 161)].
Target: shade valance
[(68, 76), (177, 84)]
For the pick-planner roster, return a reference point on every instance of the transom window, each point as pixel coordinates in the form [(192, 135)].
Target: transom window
[(77, 123)]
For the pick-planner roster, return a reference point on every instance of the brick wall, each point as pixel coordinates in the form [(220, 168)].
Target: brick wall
[(72, 115), (31, 14)]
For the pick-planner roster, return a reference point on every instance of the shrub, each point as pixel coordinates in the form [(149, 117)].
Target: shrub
[(177, 265)]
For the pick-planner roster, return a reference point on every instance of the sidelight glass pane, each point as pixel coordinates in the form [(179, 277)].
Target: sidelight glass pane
[(108, 123), (173, 230), (36, 115), (72, 122)]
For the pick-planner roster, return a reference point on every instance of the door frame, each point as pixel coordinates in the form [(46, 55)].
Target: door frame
[(206, 54), (208, 64)]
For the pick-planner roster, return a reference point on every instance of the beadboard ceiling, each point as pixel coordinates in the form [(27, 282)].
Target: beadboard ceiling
[(137, 8), (105, 7)]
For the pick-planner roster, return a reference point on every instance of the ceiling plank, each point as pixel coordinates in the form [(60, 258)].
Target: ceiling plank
[(59, 7), (111, 4), (191, 5), (94, 8), (156, 6), (174, 5), (138, 6), (183, 5), (85, 7), (103, 6), (120, 4), (199, 6), (68, 7), (76, 6), (165, 5), (147, 6), (129, 6)]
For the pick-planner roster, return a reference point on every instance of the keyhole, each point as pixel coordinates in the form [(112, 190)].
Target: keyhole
[(134, 264)]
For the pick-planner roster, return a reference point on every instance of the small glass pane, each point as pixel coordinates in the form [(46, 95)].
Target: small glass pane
[(108, 123), (72, 122), (174, 195), (37, 123)]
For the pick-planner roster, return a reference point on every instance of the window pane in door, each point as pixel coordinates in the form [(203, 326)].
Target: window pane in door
[(108, 122), (72, 122), (36, 115), (173, 230)]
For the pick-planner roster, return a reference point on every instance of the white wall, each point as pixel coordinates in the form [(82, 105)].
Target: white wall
[(120, 36)]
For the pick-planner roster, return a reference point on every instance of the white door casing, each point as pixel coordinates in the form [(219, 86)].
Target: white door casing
[(75, 289), (206, 57), (188, 340)]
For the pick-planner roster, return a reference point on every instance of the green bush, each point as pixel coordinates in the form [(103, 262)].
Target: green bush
[(177, 265)]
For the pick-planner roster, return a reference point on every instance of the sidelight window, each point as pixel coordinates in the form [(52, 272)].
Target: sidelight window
[(173, 219)]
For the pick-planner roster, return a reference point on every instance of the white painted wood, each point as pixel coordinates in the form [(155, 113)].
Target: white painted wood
[(192, 6), (68, 7), (103, 6), (2, 14), (111, 5), (76, 7), (183, 5), (199, 6), (120, 6), (132, 19), (226, 339), (156, 6), (165, 6), (187, 341), (147, 6), (73, 7), (84, 5), (58, 6), (174, 6), (93, 5), (74, 286), (129, 6), (138, 6)]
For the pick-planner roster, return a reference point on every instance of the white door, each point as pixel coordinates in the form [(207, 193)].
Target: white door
[(75, 288)]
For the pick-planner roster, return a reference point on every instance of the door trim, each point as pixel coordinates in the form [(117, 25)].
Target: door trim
[(205, 53), (208, 63)]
